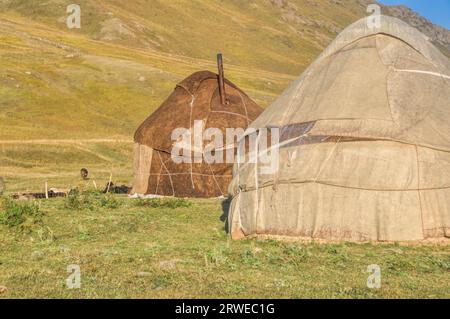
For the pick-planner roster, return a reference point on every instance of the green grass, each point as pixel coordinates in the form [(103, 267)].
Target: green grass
[(13, 214), (166, 251), (25, 218)]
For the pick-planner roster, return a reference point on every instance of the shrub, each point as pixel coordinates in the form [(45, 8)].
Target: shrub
[(109, 201), (78, 201), (15, 214), (26, 216)]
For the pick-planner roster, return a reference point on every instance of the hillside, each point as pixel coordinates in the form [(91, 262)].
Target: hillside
[(103, 79)]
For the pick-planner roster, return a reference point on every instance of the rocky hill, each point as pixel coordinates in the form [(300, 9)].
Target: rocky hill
[(439, 35)]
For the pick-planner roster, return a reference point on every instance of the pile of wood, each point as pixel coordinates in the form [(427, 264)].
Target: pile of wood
[(116, 189)]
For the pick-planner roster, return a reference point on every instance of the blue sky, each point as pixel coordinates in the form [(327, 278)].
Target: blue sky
[(437, 11)]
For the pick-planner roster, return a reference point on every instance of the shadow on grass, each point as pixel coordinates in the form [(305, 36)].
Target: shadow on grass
[(225, 209)]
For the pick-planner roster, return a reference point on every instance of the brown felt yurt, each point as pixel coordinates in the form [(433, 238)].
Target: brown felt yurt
[(364, 148), (203, 96)]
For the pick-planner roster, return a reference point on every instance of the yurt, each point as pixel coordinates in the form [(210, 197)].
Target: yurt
[(363, 148), (206, 98)]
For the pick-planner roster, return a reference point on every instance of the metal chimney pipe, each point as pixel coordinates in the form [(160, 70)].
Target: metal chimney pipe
[(221, 79)]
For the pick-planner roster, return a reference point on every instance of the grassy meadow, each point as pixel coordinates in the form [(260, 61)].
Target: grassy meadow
[(129, 248)]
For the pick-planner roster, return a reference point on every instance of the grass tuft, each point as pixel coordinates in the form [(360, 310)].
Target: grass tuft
[(25, 217), (14, 214), (90, 200), (171, 203)]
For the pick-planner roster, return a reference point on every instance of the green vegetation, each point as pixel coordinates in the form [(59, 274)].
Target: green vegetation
[(142, 251), (26, 218), (14, 214), (163, 202), (92, 200)]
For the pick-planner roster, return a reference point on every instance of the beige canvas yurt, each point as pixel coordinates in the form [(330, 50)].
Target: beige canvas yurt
[(364, 145)]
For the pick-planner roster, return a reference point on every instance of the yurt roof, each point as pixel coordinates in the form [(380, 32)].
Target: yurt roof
[(196, 98), (385, 83)]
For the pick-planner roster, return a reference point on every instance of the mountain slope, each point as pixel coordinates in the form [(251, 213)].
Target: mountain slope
[(275, 35), (439, 35), (102, 80)]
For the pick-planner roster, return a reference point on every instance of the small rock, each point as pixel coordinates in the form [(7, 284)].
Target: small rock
[(169, 264), (142, 79), (3, 289), (28, 72)]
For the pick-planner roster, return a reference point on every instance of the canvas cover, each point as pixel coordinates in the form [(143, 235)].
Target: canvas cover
[(365, 145), (195, 98)]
